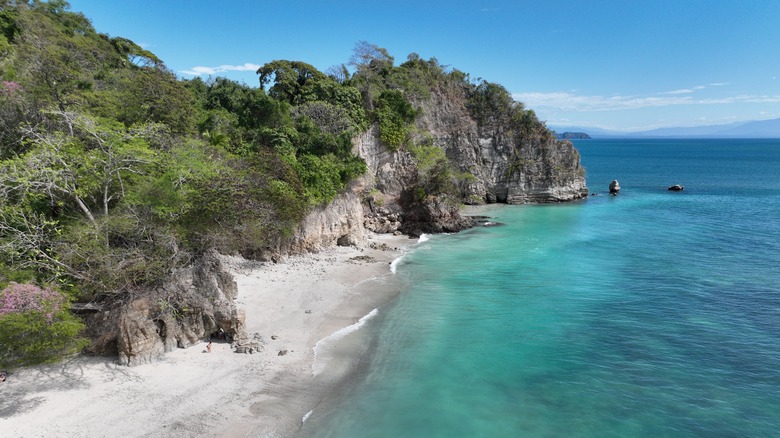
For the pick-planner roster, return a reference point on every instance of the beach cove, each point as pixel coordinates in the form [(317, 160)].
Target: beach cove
[(301, 307)]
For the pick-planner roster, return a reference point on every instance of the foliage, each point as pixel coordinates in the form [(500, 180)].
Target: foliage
[(491, 104), (372, 64), (36, 326), (294, 81), (435, 175), (395, 115)]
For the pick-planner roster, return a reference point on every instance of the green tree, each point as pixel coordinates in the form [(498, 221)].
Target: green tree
[(293, 81), (395, 116)]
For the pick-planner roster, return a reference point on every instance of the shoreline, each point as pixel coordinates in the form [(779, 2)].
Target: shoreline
[(313, 300)]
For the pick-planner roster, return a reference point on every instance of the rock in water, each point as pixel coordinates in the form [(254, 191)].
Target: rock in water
[(676, 188), (614, 187)]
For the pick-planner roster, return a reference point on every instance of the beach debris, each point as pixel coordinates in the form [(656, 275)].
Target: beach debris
[(282, 352), (676, 188), (362, 258), (614, 187)]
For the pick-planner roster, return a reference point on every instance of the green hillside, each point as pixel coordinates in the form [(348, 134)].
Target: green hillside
[(113, 172)]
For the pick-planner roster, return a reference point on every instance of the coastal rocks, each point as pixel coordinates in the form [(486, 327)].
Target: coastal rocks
[(192, 304), (379, 223), (676, 188), (432, 215), (614, 187)]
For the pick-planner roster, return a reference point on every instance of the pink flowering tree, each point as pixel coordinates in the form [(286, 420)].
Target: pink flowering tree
[(36, 326)]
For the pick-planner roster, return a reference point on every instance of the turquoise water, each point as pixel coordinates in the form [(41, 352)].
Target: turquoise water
[(652, 313)]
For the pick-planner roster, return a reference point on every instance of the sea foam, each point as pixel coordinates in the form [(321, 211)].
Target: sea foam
[(394, 264), (321, 347)]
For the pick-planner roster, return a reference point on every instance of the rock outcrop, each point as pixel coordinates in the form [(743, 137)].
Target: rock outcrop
[(194, 303), (614, 187), (338, 223), (676, 188)]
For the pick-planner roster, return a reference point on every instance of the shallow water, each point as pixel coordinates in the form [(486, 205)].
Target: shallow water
[(652, 313)]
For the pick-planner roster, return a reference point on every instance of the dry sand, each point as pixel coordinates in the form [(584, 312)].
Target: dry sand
[(303, 302)]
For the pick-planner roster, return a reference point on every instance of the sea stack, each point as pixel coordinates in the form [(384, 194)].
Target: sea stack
[(614, 187)]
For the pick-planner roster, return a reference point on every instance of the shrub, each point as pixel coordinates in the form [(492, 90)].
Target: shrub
[(395, 115), (36, 326)]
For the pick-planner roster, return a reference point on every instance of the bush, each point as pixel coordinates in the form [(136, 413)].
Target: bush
[(395, 115), (36, 326)]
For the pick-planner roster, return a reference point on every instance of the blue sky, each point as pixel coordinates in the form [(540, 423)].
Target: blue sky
[(622, 64)]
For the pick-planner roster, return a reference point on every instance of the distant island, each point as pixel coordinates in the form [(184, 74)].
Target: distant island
[(572, 135)]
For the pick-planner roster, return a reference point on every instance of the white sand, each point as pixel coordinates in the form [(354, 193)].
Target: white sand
[(300, 301)]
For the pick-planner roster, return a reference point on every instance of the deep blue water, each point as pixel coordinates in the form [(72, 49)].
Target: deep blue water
[(651, 313)]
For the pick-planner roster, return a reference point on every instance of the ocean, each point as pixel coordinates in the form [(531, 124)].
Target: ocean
[(650, 313)]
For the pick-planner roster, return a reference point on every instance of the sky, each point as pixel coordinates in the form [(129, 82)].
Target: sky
[(613, 64)]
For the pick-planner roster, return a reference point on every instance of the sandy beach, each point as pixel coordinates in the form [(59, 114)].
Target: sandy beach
[(301, 307)]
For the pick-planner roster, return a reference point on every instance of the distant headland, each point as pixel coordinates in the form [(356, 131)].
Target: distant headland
[(752, 129)]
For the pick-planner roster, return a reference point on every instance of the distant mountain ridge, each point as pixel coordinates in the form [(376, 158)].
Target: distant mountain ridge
[(755, 129)]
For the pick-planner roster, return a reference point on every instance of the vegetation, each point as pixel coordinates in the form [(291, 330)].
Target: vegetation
[(35, 326), (113, 172)]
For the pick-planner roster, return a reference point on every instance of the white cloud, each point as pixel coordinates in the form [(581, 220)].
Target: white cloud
[(694, 89), (200, 70), (683, 91)]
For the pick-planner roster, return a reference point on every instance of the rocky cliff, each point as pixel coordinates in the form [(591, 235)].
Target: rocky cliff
[(510, 162), (485, 161), (494, 160)]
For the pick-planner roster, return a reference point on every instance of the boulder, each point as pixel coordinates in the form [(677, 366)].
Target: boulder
[(614, 187), (676, 188)]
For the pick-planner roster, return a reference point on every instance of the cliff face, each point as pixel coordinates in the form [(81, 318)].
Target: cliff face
[(508, 165)]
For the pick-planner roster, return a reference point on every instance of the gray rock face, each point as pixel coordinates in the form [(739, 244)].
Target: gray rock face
[(338, 223), (509, 167)]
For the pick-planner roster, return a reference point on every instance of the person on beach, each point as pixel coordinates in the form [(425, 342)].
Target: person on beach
[(208, 347)]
